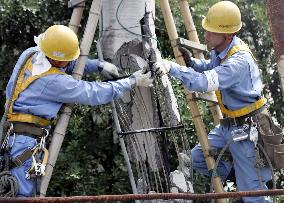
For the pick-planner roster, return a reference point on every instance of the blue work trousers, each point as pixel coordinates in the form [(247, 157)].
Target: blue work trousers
[(243, 153), (18, 144)]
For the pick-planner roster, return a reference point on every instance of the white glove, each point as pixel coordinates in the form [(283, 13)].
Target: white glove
[(142, 79), (161, 67), (108, 70)]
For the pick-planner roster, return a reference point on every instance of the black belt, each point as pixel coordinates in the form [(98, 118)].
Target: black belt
[(29, 129), (239, 121)]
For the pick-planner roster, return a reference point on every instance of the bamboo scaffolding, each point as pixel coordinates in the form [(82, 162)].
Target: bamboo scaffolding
[(60, 129), (193, 36), (197, 119), (76, 17)]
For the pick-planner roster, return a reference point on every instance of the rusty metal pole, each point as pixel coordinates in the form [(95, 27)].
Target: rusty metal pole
[(197, 119)]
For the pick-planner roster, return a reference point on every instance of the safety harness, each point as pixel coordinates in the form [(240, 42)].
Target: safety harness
[(21, 85), (268, 148), (247, 109), (28, 125)]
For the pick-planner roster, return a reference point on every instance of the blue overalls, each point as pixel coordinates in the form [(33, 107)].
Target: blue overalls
[(44, 97), (238, 79)]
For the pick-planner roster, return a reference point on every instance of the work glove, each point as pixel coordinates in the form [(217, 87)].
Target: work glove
[(108, 70), (161, 67), (139, 78), (187, 56)]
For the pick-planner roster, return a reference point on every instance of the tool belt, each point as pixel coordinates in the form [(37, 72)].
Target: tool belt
[(29, 129), (26, 129), (239, 121), (270, 135)]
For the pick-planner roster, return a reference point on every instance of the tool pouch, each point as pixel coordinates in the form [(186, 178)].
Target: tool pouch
[(270, 138)]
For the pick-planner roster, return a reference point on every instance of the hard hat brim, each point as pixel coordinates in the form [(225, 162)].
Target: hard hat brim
[(67, 58), (223, 30)]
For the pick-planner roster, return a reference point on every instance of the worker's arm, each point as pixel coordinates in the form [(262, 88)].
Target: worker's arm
[(65, 89), (221, 77), (199, 65), (90, 67), (94, 65)]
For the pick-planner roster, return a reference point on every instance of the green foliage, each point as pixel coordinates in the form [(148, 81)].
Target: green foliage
[(19, 24), (90, 161), (255, 32)]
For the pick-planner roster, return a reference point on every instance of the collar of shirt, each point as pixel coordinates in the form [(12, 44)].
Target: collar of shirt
[(223, 54)]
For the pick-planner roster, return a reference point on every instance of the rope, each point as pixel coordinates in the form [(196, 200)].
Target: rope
[(214, 171), (8, 184), (127, 197)]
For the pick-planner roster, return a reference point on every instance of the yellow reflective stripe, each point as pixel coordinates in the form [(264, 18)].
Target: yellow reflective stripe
[(29, 80), (240, 112), (18, 84), (28, 118), (247, 109), (21, 85)]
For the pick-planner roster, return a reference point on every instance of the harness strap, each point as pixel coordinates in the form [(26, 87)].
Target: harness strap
[(20, 159), (247, 109), (29, 129), (240, 112), (241, 47), (23, 84)]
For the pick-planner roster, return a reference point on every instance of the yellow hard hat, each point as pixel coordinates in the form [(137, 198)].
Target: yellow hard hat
[(59, 43), (223, 17)]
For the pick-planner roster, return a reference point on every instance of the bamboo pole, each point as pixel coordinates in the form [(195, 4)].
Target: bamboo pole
[(193, 36), (197, 119), (76, 17), (63, 120)]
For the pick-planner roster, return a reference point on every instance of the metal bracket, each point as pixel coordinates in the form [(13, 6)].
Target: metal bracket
[(191, 44), (161, 129), (73, 3)]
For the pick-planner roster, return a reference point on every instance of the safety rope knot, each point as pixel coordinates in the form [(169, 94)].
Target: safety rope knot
[(8, 184)]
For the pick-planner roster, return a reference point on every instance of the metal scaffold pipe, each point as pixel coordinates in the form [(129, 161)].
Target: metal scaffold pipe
[(157, 196)]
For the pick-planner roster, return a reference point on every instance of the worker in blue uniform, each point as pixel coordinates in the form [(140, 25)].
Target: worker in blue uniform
[(43, 83), (233, 74)]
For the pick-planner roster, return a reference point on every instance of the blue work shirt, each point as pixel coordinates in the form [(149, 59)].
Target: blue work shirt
[(238, 77), (45, 96)]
